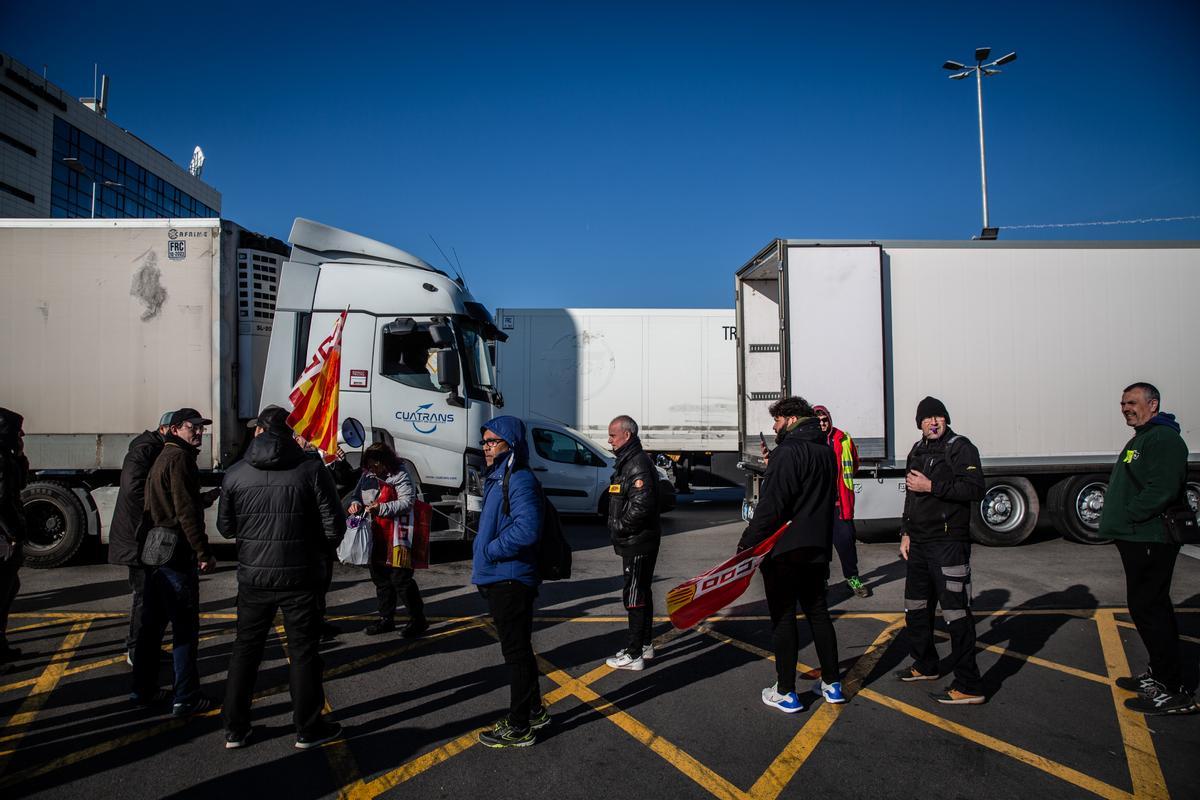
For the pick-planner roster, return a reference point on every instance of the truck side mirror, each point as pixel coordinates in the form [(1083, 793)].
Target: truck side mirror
[(442, 336), (448, 374)]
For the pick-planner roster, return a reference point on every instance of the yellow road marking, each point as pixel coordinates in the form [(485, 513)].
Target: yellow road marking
[(1041, 662), (36, 625), (1144, 769), (1122, 623), (777, 776), (1032, 759), (18, 725)]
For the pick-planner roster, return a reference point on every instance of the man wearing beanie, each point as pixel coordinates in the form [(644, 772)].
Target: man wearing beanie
[(943, 479)]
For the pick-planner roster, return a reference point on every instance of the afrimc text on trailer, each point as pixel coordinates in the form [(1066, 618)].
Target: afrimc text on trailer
[(1029, 344)]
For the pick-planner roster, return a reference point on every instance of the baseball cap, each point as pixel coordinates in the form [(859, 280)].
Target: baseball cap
[(187, 415), (271, 415), (165, 419)]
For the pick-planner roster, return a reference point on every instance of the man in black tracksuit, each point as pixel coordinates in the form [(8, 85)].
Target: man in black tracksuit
[(282, 508), (800, 486), (944, 478), (634, 527)]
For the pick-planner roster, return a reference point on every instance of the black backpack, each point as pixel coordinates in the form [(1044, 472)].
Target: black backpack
[(553, 552)]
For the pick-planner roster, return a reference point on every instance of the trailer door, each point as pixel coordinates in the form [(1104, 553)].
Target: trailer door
[(834, 332)]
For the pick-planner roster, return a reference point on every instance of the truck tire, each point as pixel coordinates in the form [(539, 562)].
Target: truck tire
[(1007, 513), (55, 522), (1193, 491), (1075, 505)]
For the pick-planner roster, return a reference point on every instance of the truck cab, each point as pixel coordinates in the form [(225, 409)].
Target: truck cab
[(415, 366)]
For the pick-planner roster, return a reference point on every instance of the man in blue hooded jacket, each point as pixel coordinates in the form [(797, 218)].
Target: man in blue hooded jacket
[(505, 570)]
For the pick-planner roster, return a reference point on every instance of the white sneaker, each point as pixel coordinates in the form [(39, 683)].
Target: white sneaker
[(648, 652), (788, 703), (623, 660)]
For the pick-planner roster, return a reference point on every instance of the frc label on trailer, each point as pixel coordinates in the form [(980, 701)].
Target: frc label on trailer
[(423, 420), (177, 250)]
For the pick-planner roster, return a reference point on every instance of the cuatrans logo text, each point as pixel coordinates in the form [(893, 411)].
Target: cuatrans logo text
[(423, 420)]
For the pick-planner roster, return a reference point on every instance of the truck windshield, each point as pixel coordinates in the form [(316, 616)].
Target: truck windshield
[(477, 363)]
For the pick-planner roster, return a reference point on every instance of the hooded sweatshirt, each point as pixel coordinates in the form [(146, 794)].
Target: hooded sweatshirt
[(1149, 476), (284, 511), (131, 498), (505, 548), (14, 474), (846, 453)]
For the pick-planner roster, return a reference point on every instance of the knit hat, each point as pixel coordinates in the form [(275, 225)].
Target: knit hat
[(931, 407)]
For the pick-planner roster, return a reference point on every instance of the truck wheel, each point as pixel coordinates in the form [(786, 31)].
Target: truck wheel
[(1193, 492), (1007, 513), (55, 523), (1075, 505)]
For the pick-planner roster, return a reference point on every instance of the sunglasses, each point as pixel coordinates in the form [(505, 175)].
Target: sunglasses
[(491, 442)]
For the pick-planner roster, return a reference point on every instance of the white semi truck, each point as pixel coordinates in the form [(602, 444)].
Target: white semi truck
[(1029, 344), (108, 323), (673, 370)]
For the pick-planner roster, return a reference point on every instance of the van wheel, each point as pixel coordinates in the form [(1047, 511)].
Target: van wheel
[(1007, 513), (1075, 505), (55, 522)]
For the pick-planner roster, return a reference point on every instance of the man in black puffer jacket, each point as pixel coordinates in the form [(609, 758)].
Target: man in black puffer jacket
[(800, 486), (283, 509), (634, 527), (127, 516), (14, 474)]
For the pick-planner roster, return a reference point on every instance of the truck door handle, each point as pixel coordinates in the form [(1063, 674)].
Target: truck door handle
[(540, 469)]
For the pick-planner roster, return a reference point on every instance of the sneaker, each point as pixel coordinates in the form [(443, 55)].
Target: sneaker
[(129, 657), (1163, 701), (1143, 684), (953, 697), (235, 740), (857, 586), (198, 705), (380, 626), (623, 660), (648, 652), (329, 631), (505, 735), (325, 731), (415, 628), (832, 692), (788, 703), (910, 674), (159, 697), (539, 719)]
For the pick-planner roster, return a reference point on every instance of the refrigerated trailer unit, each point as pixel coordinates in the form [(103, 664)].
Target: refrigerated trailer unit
[(1029, 344), (673, 370)]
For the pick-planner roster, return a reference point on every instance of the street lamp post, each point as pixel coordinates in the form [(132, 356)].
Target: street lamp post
[(74, 165), (981, 69)]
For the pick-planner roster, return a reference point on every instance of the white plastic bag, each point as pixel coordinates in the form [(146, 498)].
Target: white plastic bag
[(356, 543)]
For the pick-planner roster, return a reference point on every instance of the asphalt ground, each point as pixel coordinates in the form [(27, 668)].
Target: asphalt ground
[(1053, 634)]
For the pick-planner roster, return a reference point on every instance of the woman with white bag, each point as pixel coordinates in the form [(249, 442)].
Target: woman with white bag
[(383, 497)]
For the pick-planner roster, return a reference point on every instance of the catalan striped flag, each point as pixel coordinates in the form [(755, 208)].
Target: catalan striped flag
[(315, 396)]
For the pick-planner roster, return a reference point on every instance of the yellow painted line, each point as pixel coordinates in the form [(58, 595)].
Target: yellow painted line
[(1122, 623), (18, 725), (411, 769), (75, 615), (785, 766), (1144, 769), (1041, 662), (1046, 765), (37, 625)]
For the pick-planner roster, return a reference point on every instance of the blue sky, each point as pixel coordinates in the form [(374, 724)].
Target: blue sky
[(637, 154)]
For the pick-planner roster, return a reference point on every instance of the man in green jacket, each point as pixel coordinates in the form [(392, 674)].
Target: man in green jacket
[(1150, 475)]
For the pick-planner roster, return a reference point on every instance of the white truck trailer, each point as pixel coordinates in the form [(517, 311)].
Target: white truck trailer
[(1029, 344), (673, 370), (108, 323)]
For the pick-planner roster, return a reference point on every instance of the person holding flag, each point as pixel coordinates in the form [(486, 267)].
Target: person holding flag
[(799, 487), (315, 396)]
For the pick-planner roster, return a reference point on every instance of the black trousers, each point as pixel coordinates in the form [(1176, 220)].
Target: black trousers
[(847, 550), (302, 622), (638, 599), (790, 578), (940, 573), (1148, 570), (510, 604), (391, 583), (327, 581), (137, 588), (10, 584)]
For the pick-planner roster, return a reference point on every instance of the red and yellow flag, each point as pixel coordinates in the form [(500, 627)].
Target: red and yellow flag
[(706, 594), (315, 396)]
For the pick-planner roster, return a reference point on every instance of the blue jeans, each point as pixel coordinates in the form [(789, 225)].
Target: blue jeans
[(172, 595)]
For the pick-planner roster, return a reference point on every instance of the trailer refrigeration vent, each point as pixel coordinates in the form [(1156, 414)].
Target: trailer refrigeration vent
[(764, 348), (258, 281), (766, 395)]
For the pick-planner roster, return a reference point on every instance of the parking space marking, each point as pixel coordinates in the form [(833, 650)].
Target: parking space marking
[(18, 725), (1144, 769), (785, 766), (1042, 763), (1191, 639), (1041, 662)]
